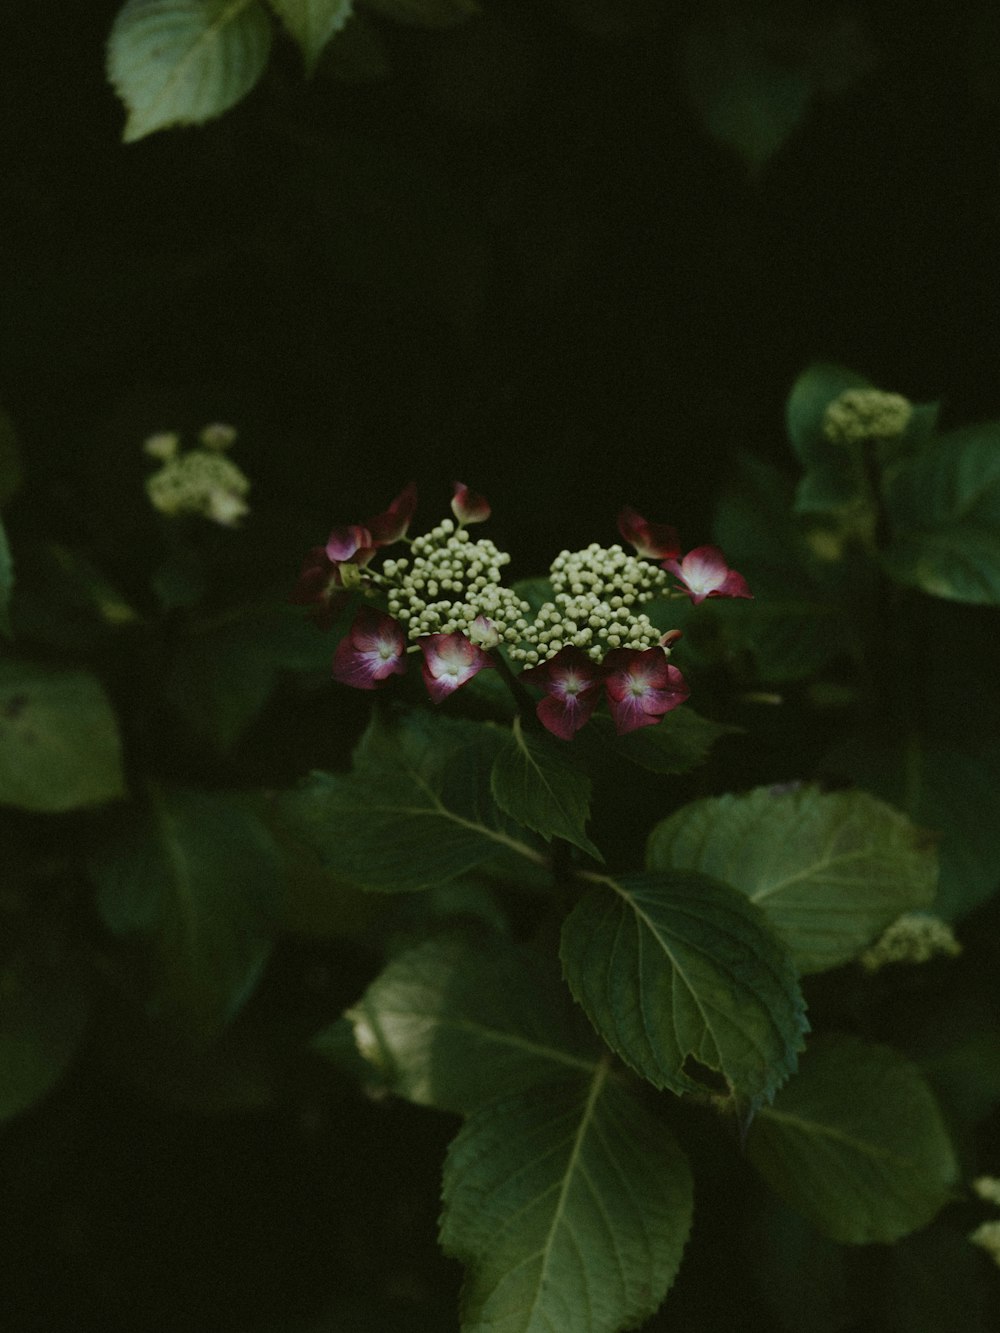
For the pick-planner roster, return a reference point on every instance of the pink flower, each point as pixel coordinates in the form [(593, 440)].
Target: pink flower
[(349, 543), (469, 506), (320, 586), (373, 649), (449, 661), (704, 573), (655, 540), (572, 685), (641, 686), (390, 526)]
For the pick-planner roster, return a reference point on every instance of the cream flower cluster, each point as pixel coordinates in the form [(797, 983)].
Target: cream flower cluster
[(915, 937), (448, 582), (866, 414), (598, 592), (200, 481)]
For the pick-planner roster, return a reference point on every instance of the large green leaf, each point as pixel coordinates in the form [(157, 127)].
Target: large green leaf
[(953, 795), (829, 869), (201, 876), (677, 965), (856, 1143), (944, 507), (462, 1020), (182, 62), (312, 23), (534, 783), (45, 1002), (571, 1205), (223, 671), (415, 812), (677, 744), (59, 743), (6, 582)]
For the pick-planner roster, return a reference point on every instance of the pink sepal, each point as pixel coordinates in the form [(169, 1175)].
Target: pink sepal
[(656, 541), (641, 686), (704, 573), (449, 661), (373, 649), (469, 506)]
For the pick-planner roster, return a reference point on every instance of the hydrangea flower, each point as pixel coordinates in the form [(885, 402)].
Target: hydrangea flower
[(657, 541), (641, 686), (373, 649), (704, 573), (469, 506), (320, 586), (449, 661), (572, 685)]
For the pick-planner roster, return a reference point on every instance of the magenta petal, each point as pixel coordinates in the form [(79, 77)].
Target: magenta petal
[(449, 661), (641, 686), (469, 506), (388, 527), (572, 685), (373, 649), (343, 542), (653, 540), (704, 573)]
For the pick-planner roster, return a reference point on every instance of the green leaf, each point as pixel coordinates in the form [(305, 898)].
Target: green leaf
[(312, 23), (223, 671), (830, 870), (834, 481), (746, 97), (416, 811), (426, 13), (674, 965), (856, 1143), (571, 1206), (45, 1004), (952, 795), (944, 508), (182, 62), (537, 786), (6, 582), (59, 743), (201, 876), (680, 742), (462, 1020)]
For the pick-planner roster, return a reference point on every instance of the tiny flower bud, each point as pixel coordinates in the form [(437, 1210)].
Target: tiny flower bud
[(163, 445), (217, 436)]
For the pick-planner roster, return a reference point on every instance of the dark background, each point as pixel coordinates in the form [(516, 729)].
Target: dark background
[(518, 259)]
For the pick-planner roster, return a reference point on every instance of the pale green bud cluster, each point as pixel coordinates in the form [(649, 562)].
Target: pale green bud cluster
[(987, 1237), (598, 593), (988, 1189), (448, 581), (200, 481), (866, 414), (915, 937)]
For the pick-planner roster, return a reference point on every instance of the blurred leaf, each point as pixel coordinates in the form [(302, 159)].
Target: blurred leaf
[(11, 474), (856, 1143), (950, 794), (64, 601), (570, 1206), (833, 482), (426, 13), (202, 877), (312, 23), (782, 1243), (623, 19), (746, 98), (462, 1020), (223, 671), (944, 507), (830, 870), (45, 1004), (358, 55), (537, 786), (680, 742), (59, 742), (6, 582), (415, 812), (965, 1073), (674, 965), (182, 62)]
